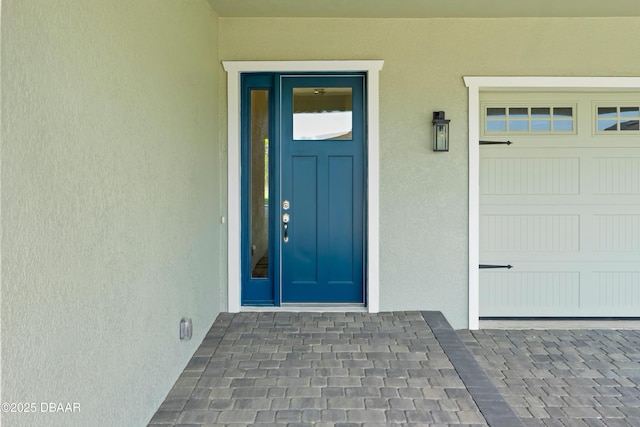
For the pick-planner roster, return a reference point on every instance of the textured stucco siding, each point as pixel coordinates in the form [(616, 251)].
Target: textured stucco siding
[(110, 199), (113, 176), (423, 195)]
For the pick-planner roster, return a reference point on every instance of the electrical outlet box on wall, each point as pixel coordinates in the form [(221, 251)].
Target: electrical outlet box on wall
[(186, 328)]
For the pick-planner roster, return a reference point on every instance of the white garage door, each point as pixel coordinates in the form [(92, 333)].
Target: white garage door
[(561, 204)]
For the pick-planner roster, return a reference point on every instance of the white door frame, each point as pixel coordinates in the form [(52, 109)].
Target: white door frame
[(479, 84), (234, 70)]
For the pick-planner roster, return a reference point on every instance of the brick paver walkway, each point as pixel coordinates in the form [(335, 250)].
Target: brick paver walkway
[(564, 377), (402, 368), (319, 369)]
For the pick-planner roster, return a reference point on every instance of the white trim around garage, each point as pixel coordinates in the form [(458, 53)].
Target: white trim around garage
[(478, 84), (234, 69)]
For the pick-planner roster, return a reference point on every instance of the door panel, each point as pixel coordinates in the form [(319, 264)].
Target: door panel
[(340, 226), (304, 224), (322, 177)]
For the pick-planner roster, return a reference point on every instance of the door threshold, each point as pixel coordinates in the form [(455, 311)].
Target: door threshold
[(316, 308)]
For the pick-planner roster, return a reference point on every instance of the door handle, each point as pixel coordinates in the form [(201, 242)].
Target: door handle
[(285, 227)]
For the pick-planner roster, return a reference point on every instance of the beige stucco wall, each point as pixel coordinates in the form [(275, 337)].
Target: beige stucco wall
[(423, 195), (110, 177)]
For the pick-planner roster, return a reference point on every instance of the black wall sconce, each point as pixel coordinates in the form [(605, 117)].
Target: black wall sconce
[(440, 132)]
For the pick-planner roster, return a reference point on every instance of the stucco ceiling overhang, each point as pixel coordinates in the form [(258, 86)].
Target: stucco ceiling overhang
[(426, 8)]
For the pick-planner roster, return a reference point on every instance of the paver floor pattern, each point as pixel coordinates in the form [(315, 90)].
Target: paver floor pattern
[(319, 369), (564, 377), (364, 369)]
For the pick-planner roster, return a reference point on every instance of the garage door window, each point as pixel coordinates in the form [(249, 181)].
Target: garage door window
[(618, 119), (529, 119)]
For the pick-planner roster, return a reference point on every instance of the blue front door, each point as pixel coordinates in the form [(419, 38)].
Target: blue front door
[(322, 143), (303, 189)]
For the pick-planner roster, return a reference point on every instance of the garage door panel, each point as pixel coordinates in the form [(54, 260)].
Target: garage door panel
[(612, 293), (529, 293), (560, 203), (550, 238), (595, 237), (594, 171), (516, 259), (530, 233), (617, 175), (530, 176), (617, 233), (536, 290), (564, 211), (618, 291)]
